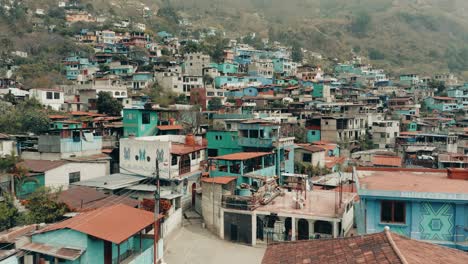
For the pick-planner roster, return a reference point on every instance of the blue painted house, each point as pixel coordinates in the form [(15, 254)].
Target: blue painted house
[(115, 234), (424, 204), (76, 65), (241, 92)]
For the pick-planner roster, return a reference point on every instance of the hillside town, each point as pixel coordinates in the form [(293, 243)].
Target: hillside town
[(308, 161)]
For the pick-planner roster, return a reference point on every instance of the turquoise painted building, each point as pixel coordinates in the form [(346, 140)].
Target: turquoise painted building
[(313, 135), (276, 154), (141, 122), (100, 236), (432, 214), (442, 104), (226, 68), (222, 142)]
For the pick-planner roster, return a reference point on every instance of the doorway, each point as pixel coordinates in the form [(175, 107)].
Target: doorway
[(303, 229), (194, 193)]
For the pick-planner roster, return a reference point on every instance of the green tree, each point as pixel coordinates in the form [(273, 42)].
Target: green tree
[(106, 104), (161, 96), (43, 207), (25, 117), (8, 213), (215, 104), (296, 52), (361, 23), (190, 47)]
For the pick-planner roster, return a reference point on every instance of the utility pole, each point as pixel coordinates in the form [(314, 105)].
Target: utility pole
[(156, 212)]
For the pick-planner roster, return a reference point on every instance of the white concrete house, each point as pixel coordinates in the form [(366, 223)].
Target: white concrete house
[(53, 98)]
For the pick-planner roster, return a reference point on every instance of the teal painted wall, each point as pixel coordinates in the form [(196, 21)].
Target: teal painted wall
[(28, 187), (70, 238), (133, 123), (313, 136), (318, 90), (225, 142)]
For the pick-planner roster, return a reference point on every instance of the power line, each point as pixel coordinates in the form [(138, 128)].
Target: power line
[(126, 195)]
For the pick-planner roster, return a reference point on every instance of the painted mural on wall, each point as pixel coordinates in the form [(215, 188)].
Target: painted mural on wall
[(437, 221), (139, 157)]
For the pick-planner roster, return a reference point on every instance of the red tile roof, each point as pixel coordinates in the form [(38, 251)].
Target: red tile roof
[(182, 149), (384, 247), (219, 180), (57, 117), (242, 156), (390, 161), (170, 127), (80, 199), (115, 223), (41, 165)]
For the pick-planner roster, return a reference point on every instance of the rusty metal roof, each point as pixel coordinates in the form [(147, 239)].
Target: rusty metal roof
[(182, 149), (116, 223), (80, 199), (41, 165), (55, 251)]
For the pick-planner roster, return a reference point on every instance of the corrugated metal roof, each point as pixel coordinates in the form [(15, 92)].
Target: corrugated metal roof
[(219, 180), (41, 165), (242, 156), (112, 182), (55, 251), (80, 198), (116, 223)]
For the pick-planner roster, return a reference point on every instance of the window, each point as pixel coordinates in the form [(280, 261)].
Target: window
[(56, 95), (73, 177), (194, 155), (392, 212), (174, 160), (307, 157), (145, 118), (49, 95)]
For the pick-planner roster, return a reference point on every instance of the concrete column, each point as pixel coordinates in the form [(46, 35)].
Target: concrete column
[(263, 162), (460, 219), (293, 229), (336, 232), (254, 229), (415, 215), (221, 224)]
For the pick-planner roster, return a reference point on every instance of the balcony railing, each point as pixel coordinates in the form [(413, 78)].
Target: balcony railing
[(256, 142)]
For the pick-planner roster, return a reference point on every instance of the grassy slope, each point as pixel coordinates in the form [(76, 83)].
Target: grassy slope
[(413, 34)]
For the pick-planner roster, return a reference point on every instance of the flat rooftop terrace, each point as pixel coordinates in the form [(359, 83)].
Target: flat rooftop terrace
[(319, 203)]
